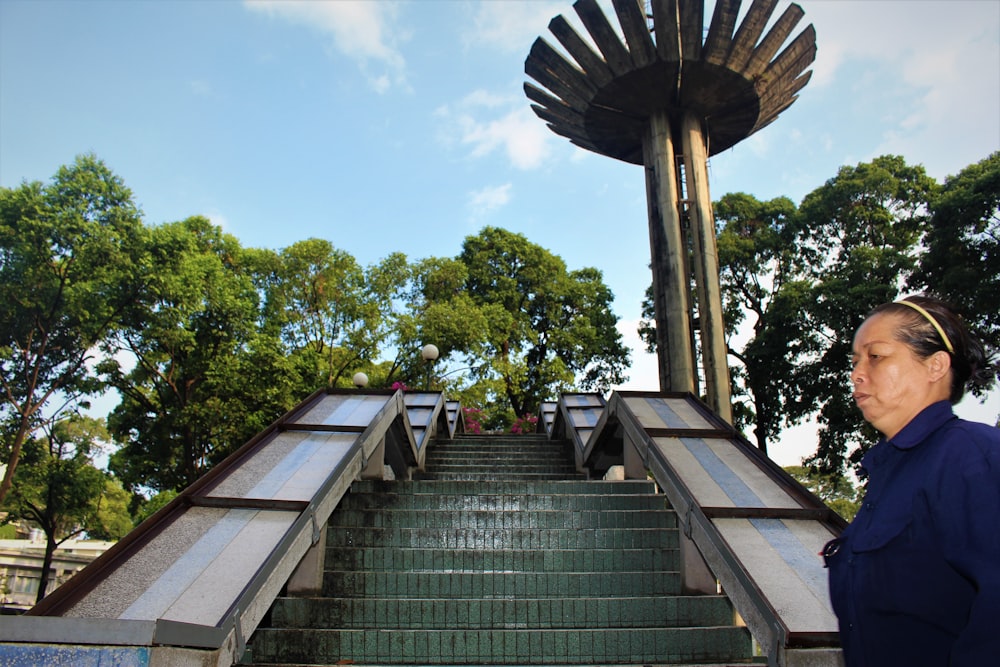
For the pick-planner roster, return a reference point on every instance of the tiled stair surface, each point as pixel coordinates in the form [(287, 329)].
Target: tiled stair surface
[(501, 554)]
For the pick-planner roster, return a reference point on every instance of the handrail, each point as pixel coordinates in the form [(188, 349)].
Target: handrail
[(576, 417), (263, 483), (621, 435)]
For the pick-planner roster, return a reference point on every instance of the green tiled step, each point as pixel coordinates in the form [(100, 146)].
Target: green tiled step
[(386, 559), (554, 451), (500, 647), (487, 438), (539, 613), (504, 520), (504, 487), (524, 538), (500, 444), (494, 476), (505, 467), (433, 464), (562, 502), (490, 585), (500, 553)]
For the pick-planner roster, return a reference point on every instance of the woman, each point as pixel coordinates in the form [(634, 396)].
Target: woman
[(915, 578)]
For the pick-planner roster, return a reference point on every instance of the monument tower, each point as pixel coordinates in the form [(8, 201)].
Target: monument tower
[(667, 97)]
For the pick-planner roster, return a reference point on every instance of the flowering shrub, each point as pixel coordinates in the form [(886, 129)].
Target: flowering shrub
[(472, 423), (525, 424), (399, 385)]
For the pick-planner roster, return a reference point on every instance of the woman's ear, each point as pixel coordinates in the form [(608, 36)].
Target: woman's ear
[(939, 364)]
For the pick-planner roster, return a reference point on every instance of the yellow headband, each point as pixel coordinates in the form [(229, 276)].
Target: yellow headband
[(930, 318)]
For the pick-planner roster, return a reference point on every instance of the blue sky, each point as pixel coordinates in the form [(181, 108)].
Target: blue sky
[(402, 126)]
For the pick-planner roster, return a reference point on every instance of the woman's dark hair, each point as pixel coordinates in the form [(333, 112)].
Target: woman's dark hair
[(971, 367)]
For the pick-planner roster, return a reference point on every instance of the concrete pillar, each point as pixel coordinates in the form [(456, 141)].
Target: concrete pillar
[(307, 579), (633, 460), (668, 249), (374, 467), (706, 267), (696, 577)]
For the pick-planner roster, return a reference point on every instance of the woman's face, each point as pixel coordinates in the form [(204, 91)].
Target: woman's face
[(891, 383)]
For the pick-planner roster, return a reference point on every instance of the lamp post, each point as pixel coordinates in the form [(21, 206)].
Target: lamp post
[(360, 380), (429, 353)]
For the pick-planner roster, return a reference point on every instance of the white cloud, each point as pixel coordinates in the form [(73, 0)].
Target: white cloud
[(483, 98), (219, 221), (488, 199), (512, 129), (945, 59), (513, 26), (359, 29), (522, 136)]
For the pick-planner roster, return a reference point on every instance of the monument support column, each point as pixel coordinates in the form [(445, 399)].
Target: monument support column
[(668, 248), (667, 95), (706, 267)]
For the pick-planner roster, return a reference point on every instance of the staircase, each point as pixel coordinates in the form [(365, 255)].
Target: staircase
[(501, 554)]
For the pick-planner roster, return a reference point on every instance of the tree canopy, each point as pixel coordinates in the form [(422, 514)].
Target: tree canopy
[(59, 489), (522, 324), (206, 341), (808, 276), (962, 257), (72, 255)]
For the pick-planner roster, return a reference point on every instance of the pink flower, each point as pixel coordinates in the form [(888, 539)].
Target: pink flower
[(525, 424), (472, 424)]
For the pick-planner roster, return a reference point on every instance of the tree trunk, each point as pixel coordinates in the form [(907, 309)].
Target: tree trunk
[(50, 549)]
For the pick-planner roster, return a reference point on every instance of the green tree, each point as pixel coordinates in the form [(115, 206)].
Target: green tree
[(59, 489), (204, 377), (329, 310), (834, 489), (149, 507), (804, 279), (547, 329), (962, 258), (759, 265), (111, 509), (863, 227), (70, 259), (438, 309)]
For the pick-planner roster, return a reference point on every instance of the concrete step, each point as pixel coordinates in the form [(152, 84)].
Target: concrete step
[(499, 553), (479, 614), (494, 476), (498, 585), (509, 444), (498, 438), (504, 487), (512, 467), (433, 464), (505, 560), (531, 463), (524, 538), (561, 502), (500, 646), (552, 452), (503, 519)]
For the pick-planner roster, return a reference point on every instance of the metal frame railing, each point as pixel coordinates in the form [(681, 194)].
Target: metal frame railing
[(387, 439), (617, 429)]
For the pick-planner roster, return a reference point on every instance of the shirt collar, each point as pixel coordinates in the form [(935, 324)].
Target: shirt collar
[(927, 421)]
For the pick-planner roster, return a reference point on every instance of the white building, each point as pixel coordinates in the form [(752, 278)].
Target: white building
[(21, 567)]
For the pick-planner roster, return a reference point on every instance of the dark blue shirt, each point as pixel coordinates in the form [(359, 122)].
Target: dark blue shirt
[(916, 580)]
